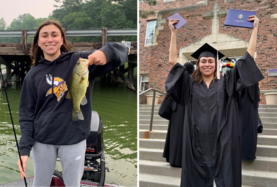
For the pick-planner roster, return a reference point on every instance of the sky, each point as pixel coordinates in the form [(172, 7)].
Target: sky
[(11, 9)]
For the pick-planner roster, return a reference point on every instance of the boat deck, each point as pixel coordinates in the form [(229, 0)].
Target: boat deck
[(30, 180)]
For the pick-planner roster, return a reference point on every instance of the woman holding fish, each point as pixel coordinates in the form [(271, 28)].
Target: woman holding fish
[(52, 124)]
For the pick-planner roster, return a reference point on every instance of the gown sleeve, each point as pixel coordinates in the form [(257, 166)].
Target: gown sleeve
[(243, 75), (178, 84)]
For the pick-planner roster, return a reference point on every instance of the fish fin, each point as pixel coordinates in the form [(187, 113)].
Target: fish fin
[(68, 95), (80, 115), (81, 80), (84, 101), (74, 116)]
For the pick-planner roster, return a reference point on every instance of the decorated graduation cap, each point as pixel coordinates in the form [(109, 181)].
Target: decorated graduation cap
[(208, 51), (227, 62)]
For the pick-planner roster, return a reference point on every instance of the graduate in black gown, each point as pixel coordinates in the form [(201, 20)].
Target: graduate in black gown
[(249, 118), (174, 138), (211, 139), (248, 104)]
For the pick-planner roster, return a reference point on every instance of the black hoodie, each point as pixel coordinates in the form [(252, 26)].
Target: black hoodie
[(46, 117)]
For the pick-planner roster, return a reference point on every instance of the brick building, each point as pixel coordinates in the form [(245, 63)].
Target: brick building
[(205, 21)]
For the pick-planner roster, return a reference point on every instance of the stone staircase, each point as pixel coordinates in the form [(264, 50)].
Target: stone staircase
[(154, 171)]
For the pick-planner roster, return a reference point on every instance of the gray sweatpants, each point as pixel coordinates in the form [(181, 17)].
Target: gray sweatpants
[(72, 160)]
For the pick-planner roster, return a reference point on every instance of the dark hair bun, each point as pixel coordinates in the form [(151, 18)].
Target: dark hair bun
[(189, 67)]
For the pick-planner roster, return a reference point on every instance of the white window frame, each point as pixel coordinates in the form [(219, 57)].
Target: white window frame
[(150, 30), (142, 76)]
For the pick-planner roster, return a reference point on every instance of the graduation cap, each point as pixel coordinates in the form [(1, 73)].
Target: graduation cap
[(208, 51), (227, 60)]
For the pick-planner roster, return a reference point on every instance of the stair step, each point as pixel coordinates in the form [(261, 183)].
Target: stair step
[(155, 134), (259, 178), (150, 180), (263, 139), (151, 143), (159, 168), (158, 122), (159, 143), (261, 164), (266, 150), (269, 131), (267, 140), (267, 106), (164, 173), (148, 107), (267, 110), (164, 168), (269, 125), (154, 127), (149, 116), (143, 112), (268, 119), (267, 114), (143, 106), (151, 154)]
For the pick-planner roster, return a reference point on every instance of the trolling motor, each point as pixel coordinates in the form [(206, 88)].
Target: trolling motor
[(94, 169)]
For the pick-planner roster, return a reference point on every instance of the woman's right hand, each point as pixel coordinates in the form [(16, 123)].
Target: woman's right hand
[(171, 24), (24, 161)]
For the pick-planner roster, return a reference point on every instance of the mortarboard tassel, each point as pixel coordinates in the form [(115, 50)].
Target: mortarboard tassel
[(217, 66)]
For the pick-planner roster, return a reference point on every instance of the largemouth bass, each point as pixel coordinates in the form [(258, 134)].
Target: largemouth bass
[(78, 88)]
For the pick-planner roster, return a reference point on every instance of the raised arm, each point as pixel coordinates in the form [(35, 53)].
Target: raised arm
[(245, 73), (172, 47), (253, 40)]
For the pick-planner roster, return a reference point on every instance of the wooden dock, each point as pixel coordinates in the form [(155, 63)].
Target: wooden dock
[(16, 58)]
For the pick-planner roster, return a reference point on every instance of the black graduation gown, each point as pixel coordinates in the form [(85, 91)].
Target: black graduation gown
[(249, 119), (211, 139), (174, 138)]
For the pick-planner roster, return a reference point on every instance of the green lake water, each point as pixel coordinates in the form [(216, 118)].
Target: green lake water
[(116, 105)]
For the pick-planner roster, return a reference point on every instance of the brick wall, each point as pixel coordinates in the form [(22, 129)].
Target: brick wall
[(154, 59)]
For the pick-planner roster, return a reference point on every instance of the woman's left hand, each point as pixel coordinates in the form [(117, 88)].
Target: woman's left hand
[(97, 58), (254, 19)]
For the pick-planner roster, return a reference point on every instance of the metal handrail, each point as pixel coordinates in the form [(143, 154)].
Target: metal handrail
[(85, 32), (153, 103)]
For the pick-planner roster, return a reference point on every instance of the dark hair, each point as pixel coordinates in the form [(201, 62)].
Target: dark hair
[(197, 75), (36, 51)]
